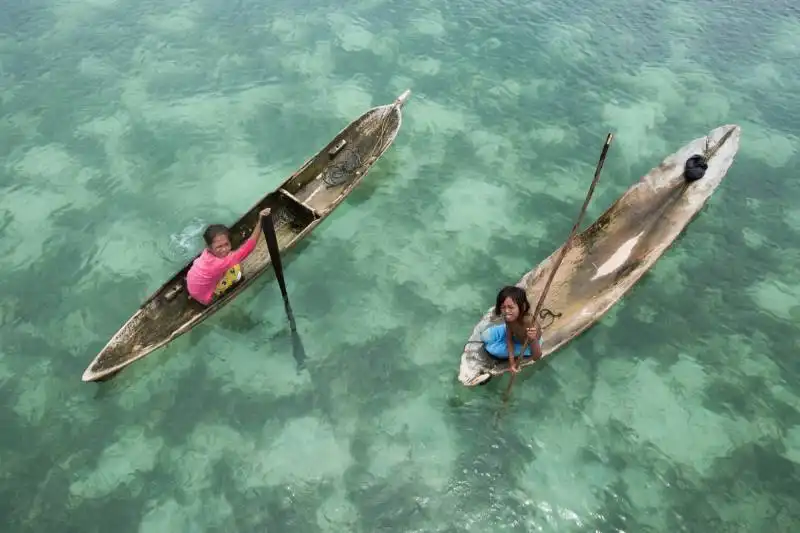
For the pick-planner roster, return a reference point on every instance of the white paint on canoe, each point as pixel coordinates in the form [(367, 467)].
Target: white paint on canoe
[(618, 259)]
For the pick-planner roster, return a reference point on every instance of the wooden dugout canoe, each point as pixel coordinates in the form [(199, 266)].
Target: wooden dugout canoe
[(606, 259), (298, 205)]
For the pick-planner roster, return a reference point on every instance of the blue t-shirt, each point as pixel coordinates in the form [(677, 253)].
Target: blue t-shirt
[(494, 340)]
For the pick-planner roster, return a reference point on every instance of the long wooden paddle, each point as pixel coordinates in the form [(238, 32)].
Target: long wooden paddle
[(268, 229), (510, 355), (564, 248)]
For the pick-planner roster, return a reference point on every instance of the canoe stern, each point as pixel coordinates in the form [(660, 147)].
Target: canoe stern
[(155, 324), (477, 366)]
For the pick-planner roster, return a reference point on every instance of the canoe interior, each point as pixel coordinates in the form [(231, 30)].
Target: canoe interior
[(605, 260), (298, 205)]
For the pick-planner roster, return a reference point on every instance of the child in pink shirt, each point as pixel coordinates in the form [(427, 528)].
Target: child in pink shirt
[(210, 272)]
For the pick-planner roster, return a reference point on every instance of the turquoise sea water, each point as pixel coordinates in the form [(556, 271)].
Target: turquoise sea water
[(126, 126)]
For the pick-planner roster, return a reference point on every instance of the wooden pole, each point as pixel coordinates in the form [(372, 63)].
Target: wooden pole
[(268, 229), (507, 394), (564, 248)]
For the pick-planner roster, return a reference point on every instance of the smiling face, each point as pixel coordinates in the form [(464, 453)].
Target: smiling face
[(220, 245), (511, 304), (510, 310), (217, 240)]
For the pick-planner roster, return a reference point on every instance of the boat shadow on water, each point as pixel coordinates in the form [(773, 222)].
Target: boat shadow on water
[(238, 322), (379, 176), (493, 403)]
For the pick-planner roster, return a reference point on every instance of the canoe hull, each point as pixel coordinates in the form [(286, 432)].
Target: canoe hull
[(298, 205), (607, 259)]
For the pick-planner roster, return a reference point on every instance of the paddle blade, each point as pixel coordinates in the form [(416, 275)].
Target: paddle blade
[(268, 229), (298, 350)]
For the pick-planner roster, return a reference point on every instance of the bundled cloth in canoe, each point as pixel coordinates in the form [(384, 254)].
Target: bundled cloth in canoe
[(604, 261)]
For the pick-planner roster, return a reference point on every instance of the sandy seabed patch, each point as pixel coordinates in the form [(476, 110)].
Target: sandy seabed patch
[(119, 465), (325, 456), (776, 297)]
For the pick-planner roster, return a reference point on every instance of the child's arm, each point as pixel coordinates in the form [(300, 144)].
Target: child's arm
[(534, 339), (537, 350), (249, 245), (238, 255), (257, 230)]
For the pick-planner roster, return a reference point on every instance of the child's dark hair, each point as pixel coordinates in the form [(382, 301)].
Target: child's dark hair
[(213, 230), (517, 295)]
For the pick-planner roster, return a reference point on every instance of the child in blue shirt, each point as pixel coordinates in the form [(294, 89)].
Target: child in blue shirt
[(512, 304)]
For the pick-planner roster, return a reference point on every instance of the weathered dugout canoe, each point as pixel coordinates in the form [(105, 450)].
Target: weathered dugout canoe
[(298, 205), (608, 258)]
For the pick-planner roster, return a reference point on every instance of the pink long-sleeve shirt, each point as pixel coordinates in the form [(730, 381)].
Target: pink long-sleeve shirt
[(208, 269)]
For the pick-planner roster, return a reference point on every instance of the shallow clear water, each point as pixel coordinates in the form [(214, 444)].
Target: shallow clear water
[(126, 126)]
